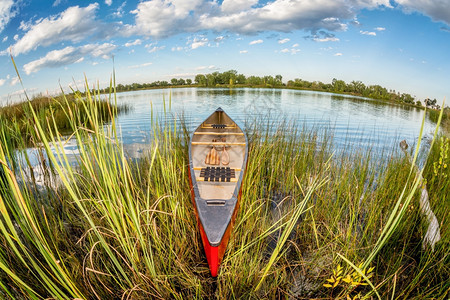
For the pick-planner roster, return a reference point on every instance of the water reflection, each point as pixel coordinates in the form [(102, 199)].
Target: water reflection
[(356, 121)]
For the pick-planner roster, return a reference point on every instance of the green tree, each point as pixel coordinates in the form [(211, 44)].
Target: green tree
[(278, 80), (240, 79), (338, 85), (200, 79)]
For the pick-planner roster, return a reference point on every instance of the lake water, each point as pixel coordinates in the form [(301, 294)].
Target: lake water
[(355, 122)]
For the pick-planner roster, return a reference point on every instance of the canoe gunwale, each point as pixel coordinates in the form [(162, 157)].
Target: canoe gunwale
[(231, 203)]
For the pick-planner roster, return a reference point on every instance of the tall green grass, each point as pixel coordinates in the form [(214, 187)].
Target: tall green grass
[(121, 228)]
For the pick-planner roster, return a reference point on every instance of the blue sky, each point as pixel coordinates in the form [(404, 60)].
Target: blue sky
[(402, 45)]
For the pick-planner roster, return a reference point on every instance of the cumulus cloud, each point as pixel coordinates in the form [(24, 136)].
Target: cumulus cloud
[(256, 42), (69, 55), (7, 12), (108, 2), (233, 6), (198, 42), (283, 41), (438, 10), (153, 49), (326, 39), (2, 81), (119, 12), (291, 51), (211, 68), (14, 81), (135, 43), (74, 24), (5, 39), (368, 33), (219, 39), (338, 54), (243, 52), (162, 18), (380, 29)]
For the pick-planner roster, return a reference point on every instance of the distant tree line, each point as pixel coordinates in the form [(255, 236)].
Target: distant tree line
[(355, 88), (233, 78)]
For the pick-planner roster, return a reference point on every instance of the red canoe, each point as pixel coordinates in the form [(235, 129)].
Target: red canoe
[(217, 160)]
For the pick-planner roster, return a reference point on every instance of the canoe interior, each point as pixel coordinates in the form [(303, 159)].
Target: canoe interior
[(234, 141)]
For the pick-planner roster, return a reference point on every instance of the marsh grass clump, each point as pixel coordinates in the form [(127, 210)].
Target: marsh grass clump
[(120, 228), (19, 119)]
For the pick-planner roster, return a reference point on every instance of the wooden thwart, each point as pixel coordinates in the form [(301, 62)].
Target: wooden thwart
[(199, 168), (218, 133), (218, 144), (218, 126)]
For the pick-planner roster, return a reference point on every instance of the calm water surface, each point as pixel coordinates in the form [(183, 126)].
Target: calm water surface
[(355, 122)]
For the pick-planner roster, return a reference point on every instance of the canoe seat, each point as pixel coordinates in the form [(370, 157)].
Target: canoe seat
[(224, 174), (218, 125)]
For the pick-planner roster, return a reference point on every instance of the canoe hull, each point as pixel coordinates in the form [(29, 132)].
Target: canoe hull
[(214, 255), (216, 184)]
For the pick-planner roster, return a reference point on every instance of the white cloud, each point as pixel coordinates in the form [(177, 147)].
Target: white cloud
[(327, 39), (108, 2), (380, 29), (7, 12), (234, 6), (256, 42), (56, 3), (74, 24), (177, 48), (135, 43), (438, 10), (5, 39), (243, 52), (210, 68), (197, 42), (338, 54), (153, 48), (283, 41), (219, 39), (141, 65), (291, 51), (14, 81), (16, 37), (162, 18), (119, 12), (295, 45), (69, 55), (368, 33), (2, 81)]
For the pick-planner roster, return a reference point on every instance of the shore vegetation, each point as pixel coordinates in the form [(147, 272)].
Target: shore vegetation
[(312, 223), (232, 78)]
